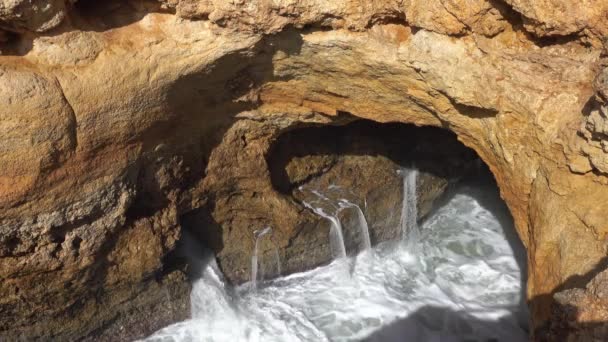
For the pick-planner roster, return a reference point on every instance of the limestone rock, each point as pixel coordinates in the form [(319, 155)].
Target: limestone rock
[(444, 16), (272, 16), (581, 314), (595, 126), (563, 17), (119, 125), (37, 15), (456, 17)]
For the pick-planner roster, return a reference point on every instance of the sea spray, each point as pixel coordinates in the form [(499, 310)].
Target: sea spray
[(468, 282)]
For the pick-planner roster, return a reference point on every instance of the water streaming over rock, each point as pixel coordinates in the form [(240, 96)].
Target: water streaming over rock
[(257, 235), (336, 235), (277, 260), (329, 204), (409, 209), (464, 283), (361, 223)]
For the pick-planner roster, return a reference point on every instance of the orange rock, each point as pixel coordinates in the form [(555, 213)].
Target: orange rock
[(110, 122)]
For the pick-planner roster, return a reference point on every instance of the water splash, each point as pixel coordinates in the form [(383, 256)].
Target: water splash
[(409, 209), (361, 222), (465, 284)]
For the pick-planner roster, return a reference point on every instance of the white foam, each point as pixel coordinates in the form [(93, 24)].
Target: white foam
[(464, 282)]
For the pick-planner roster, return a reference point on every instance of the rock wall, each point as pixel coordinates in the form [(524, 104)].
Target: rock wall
[(113, 113), (254, 176), (580, 314)]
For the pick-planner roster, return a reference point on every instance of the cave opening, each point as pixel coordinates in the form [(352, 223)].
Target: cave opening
[(369, 160), (326, 248)]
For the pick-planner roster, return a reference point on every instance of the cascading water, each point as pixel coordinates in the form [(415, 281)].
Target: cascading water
[(329, 206), (409, 209), (257, 235), (336, 237), (361, 223), (463, 283)]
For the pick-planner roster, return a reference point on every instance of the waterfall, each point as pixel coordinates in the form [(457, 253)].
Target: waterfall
[(329, 207), (465, 276), (277, 260), (362, 223), (336, 238), (257, 235), (409, 210)]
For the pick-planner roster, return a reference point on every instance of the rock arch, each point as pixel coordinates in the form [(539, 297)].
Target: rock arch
[(108, 133)]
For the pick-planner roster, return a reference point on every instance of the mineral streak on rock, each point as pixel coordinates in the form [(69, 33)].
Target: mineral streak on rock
[(124, 122)]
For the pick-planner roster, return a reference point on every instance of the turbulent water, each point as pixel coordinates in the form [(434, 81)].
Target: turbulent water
[(463, 283)]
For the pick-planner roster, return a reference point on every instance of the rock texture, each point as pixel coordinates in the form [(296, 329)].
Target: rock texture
[(113, 115), (581, 314), (254, 176)]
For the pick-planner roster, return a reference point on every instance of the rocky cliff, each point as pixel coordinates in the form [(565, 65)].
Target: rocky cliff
[(116, 119)]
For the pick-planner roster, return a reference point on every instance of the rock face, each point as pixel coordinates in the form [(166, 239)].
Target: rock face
[(123, 123), (581, 314), (259, 177)]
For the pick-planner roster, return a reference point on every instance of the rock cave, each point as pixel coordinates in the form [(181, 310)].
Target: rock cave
[(130, 129)]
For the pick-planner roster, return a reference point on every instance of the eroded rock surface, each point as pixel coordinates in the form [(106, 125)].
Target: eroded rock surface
[(36, 16), (581, 314), (113, 115), (258, 177)]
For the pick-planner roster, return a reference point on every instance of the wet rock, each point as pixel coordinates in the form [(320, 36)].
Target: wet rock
[(366, 164), (359, 162), (127, 115)]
